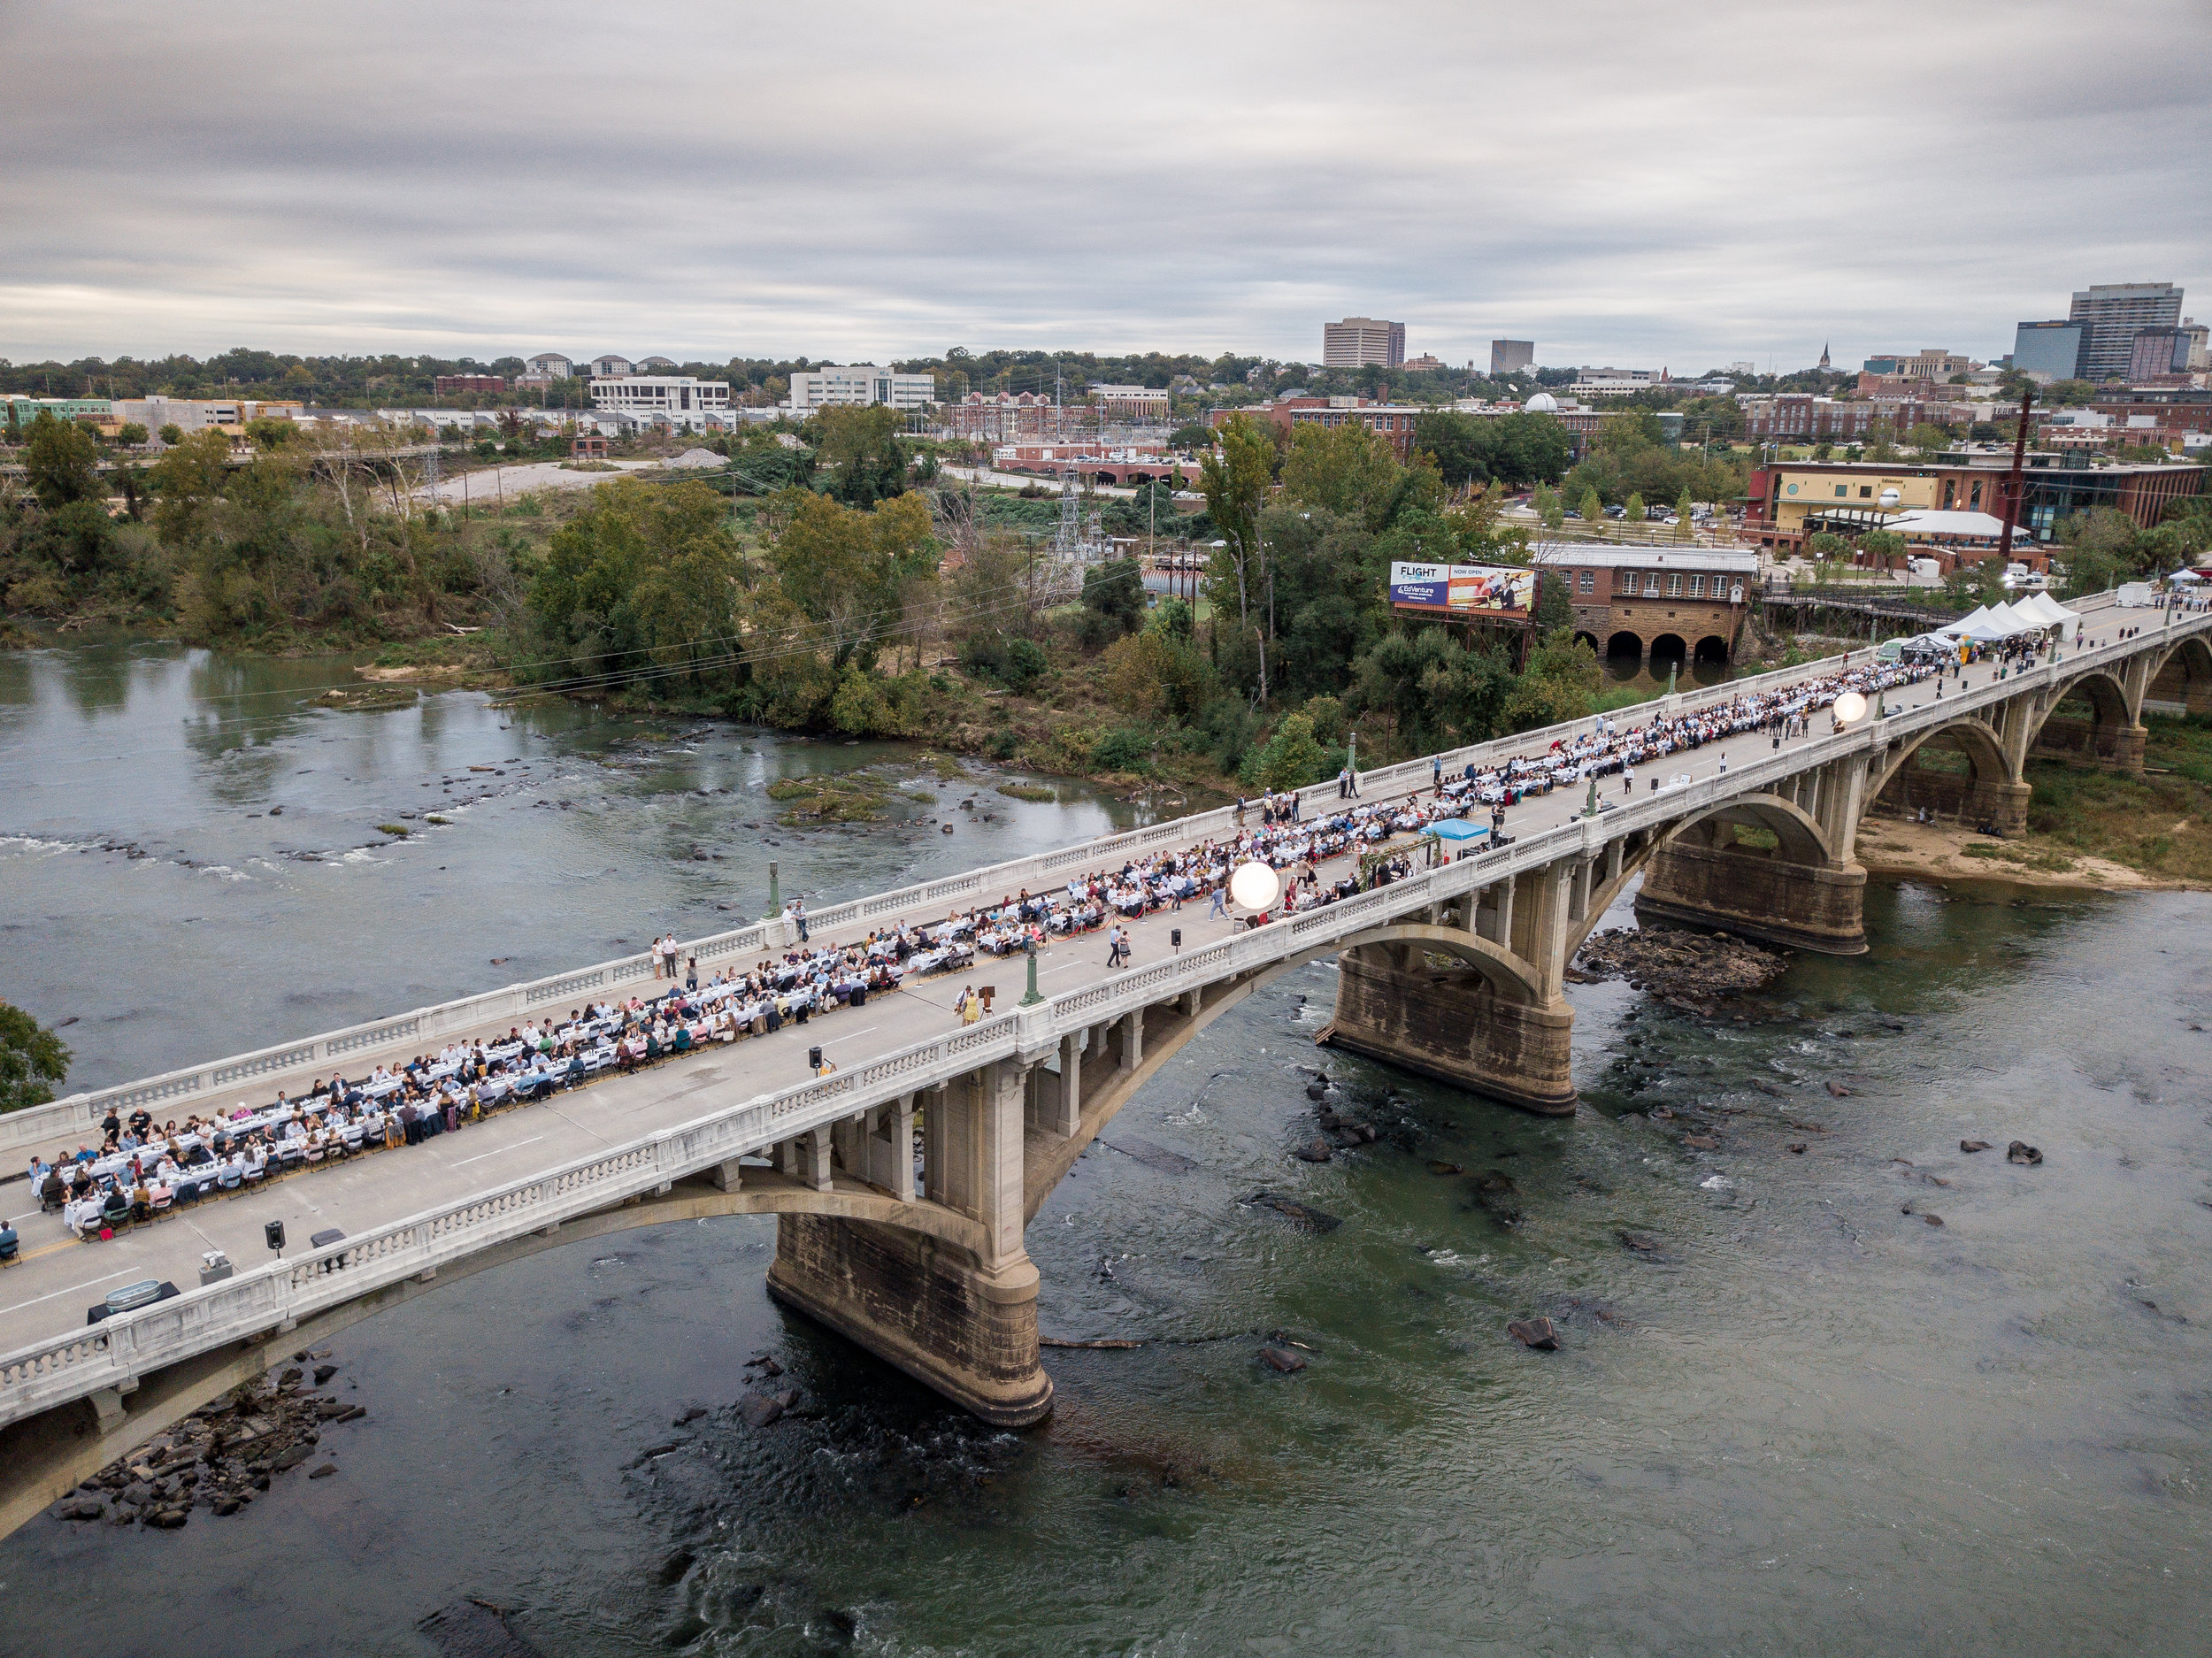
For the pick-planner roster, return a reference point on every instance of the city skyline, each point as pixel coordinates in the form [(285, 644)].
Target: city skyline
[(675, 179)]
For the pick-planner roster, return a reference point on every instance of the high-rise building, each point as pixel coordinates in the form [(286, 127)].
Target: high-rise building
[(1362, 342), (1511, 357), (2111, 315), (2158, 353), (2046, 351), (2200, 340)]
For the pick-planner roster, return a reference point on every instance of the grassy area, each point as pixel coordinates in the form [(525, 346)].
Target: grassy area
[(844, 797), (2160, 823)]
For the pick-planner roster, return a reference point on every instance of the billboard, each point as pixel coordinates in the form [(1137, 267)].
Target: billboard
[(1507, 592)]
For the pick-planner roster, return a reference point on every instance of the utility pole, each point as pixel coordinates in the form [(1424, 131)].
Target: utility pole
[(2013, 489)]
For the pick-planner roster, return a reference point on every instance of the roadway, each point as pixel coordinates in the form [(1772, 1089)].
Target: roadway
[(45, 1293)]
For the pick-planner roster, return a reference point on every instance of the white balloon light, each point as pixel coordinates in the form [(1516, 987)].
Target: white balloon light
[(1255, 886), (1850, 708)]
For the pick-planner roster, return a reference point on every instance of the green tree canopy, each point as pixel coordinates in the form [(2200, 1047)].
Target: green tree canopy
[(1347, 470), (32, 1060), (61, 462)]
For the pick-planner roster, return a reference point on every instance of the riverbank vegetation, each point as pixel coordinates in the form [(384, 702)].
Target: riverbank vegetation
[(832, 578), (2160, 823)]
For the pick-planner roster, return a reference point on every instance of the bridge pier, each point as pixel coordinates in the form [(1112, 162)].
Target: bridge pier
[(1482, 1010), (1776, 867), (962, 1320)]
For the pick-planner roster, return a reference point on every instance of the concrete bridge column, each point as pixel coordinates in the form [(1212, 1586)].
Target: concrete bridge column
[(1129, 1042), (962, 1320), (890, 1147), (1067, 1092)]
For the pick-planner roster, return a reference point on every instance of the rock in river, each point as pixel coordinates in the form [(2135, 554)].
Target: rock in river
[(1534, 1332), (2021, 1151)]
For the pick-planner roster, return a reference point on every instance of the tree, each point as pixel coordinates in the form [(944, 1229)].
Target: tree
[(1235, 478), (1191, 435), (1554, 606), (1549, 508), (61, 462), (844, 569), (859, 451), (1593, 509), (1516, 450), (1437, 691), (171, 434), (1634, 513), (188, 480), (1556, 684), (1157, 675), (1683, 520), (1347, 470), (1289, 759), (32, 1059), (1928, 437), (132, 434), (647, 575), (1113, 602)]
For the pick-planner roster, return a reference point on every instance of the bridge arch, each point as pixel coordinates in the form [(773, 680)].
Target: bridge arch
[(1585, 637), (1713, 649), (1964, 749), (1777, 828), (47, 1454), (2089, 717), (1669, 647), (1625, 647), (1761, 866), (2184, 675)]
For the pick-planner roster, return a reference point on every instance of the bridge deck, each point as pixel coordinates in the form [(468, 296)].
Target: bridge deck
[(47, 1293), (43, 1297)]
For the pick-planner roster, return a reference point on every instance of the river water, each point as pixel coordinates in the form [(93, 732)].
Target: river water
[(1799, 1420)]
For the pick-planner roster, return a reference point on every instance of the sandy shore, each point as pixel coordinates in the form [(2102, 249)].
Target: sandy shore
[(1937, 852)]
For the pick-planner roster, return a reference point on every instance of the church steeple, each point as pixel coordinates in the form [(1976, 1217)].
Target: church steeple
[(1823, 354)]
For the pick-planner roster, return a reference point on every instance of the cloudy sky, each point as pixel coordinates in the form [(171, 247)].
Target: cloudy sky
[(1636, 184)]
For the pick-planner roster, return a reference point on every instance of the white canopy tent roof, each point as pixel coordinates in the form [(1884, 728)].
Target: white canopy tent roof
[(2053, 613), (1990, 624)]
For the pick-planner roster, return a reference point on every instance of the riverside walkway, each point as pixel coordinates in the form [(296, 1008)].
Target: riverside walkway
[(1456, 970)]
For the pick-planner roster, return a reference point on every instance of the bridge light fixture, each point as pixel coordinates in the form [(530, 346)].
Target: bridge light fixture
[(1255, 886), (1850, 708)]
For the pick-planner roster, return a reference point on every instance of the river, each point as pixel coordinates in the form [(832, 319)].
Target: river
[(1799, 1420)]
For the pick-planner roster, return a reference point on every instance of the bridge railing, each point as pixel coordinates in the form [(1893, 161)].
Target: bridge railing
[(43, 1374), (432, 1026)]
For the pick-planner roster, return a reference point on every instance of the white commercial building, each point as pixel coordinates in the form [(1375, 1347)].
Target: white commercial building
[(859, 386), (680, 400), (1132, 402)]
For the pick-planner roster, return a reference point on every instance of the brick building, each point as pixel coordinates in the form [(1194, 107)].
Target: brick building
[(460, 385), (1667, 603), (1841, 494)]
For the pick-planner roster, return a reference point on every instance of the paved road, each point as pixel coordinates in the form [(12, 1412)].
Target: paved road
[(45, 1294)]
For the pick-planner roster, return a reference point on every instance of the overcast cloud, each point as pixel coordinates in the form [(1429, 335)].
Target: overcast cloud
[(1633, 184)]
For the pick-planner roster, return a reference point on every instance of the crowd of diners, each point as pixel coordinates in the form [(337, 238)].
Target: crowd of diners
[(143, 1167)]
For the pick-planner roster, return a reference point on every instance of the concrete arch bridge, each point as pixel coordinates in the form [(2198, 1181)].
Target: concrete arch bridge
[(1457, 972)]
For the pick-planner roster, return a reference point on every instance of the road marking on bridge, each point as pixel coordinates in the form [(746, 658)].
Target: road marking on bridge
[(121, 1273), (480, 1156), (863, 1031)]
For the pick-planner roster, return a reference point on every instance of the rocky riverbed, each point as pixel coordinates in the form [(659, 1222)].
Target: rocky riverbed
[(223, 1455), (1692, 970)]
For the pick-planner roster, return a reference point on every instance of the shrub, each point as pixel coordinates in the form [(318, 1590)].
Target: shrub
[(1127, 748)]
